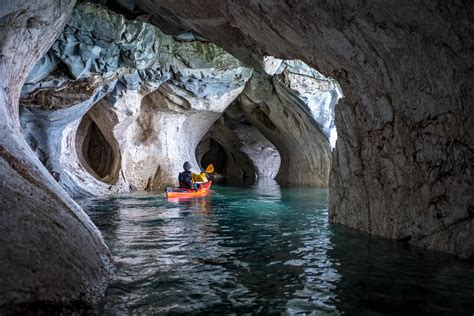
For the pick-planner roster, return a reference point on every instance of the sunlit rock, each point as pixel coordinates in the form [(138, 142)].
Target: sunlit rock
[(148, 127), (294, 109), (319, 94)]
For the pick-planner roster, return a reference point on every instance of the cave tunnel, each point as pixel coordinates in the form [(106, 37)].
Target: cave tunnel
[(401, 168), (240, 153), (231, 167), (216, 156)]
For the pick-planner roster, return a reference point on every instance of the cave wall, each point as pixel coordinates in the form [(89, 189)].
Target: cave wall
[(175, 121), (156, 96), (402, 166), (245, 154), (96, 147), (51, 251), (292, 105), (53, 135), (153, 97), (237, 168), (283, 123), (96, 54)]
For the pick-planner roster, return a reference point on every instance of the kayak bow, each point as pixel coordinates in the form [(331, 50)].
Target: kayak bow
[(185, 193)]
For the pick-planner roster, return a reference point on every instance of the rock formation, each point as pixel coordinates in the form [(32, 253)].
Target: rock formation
[(402, 166), (51, 252), (116, 105), (293, 106), (161, 97), (239, 152), (149, 99)]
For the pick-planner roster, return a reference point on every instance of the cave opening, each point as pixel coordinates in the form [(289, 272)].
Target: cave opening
[(232, 166), (401, 168), (97, 154), (241, 154), (97, 151), (216, 156)]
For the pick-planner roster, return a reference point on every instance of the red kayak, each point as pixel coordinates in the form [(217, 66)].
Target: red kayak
[(185, 193)]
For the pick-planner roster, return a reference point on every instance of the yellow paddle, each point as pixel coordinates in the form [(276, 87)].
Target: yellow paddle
[(210, 168)]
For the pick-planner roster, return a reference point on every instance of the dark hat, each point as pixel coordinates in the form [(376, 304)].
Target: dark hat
[(187, 166)]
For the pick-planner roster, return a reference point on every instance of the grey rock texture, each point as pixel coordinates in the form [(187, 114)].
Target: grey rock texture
[(261, 152), (294, 109), (162, 95), (98, 52), (50, 118), (169, 127), (403, 163), (120, 90), (51, 252), (248, 155)]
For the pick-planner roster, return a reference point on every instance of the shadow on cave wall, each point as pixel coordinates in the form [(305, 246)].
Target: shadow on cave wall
[(240, 153), (231, 168), (99, 156)]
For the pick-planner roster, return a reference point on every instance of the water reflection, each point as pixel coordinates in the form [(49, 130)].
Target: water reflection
[(264, 249), (204, 204), (380, 275), (267, 188)]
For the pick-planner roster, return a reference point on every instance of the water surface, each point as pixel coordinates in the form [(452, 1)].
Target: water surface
[(265, 250)]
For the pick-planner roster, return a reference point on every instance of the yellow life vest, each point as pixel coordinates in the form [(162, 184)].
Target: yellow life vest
[(199, 177)]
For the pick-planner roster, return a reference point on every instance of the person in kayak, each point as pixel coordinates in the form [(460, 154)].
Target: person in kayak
[(189, 180), (185, 178)]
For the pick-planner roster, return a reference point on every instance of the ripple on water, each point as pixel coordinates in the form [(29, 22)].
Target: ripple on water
[(265, 249)]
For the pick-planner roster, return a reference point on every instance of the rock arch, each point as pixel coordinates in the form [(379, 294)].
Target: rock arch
[(293, 107), (402, 166), (241, 154), (406, 73)]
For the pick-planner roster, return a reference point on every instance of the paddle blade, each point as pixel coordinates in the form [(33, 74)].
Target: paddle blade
[(210, 168)]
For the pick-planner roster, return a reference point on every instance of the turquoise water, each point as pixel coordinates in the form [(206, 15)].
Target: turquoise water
[(265, 250)]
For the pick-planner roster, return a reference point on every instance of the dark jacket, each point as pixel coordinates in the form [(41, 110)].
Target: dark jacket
[(185, 179)]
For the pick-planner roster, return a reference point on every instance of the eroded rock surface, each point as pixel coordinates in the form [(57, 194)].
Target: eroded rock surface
[(293, 106), (403, 163), (402, 166), (240, 153), (51, 252), (162, 95)]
